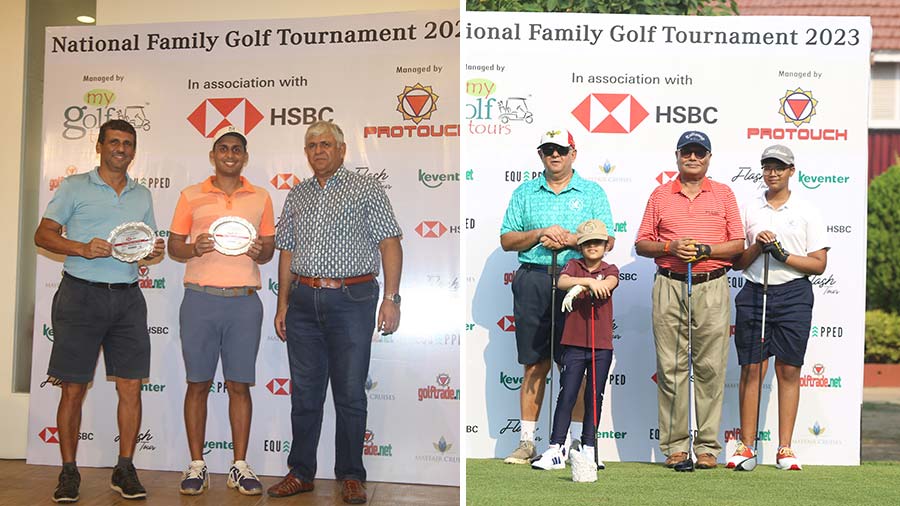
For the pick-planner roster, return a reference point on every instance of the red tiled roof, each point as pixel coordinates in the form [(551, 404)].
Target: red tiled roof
[(885, 14)]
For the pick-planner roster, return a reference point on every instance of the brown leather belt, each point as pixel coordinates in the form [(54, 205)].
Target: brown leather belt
[(698, 277), (232, 291), (332, 282)]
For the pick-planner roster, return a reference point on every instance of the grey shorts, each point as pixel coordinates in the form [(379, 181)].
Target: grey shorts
[(211, 326), (86, 317)]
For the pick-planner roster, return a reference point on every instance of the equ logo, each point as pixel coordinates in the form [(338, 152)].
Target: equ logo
[(279, 386), (507, 323), (284, 181), (49, 435), (417, 102), (431, 229), (797, 106), (215, 113), (611, 113)]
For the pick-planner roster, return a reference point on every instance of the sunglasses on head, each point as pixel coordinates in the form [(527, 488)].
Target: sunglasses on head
[(548, 149), (698, 151)]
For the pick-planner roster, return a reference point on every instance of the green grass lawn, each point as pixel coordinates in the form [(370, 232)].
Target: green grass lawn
[(491, 482)]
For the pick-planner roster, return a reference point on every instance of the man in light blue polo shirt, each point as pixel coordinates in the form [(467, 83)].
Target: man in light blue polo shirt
[(541, 218), (98, 303)]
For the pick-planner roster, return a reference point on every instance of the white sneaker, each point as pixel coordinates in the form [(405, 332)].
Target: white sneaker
[(589, 451), (786, 460), (195, 480), (243, 479), (553, 458)]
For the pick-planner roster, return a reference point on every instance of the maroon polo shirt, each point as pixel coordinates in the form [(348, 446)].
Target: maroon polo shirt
[(577, 331)]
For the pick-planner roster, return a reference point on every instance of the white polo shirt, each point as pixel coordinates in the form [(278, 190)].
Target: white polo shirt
[(796, 224)]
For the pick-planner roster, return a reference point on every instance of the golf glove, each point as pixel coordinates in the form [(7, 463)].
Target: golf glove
[(570, 296), (776, 250), (701, 252)]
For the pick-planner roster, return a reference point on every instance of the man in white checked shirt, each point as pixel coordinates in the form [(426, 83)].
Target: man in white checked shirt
[(333, 229)]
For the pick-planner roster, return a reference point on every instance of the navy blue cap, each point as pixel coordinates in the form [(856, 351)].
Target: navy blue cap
[(694, 137)]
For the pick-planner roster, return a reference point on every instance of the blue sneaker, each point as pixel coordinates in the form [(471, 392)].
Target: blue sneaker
[(241, 477), (195, 480)]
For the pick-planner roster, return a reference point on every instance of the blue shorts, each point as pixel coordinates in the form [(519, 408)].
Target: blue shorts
[(212, 325), (788, 321), (531, 308)]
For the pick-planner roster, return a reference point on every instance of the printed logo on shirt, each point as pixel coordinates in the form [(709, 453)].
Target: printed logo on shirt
[(416, 104), (797, 107), (215, 113)]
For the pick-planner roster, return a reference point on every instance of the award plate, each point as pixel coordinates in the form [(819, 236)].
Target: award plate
[(131, 241), (232, 235)]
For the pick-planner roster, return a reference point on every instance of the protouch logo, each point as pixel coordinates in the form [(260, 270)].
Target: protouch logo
[(284, 181), (611, 113), (417, 102), (215, 113), (279, 386), (507, 323), (49, 435), (431, 229), (797, 106)]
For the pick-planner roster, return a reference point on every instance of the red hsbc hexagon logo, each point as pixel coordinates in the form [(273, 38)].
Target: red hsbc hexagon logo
[(431, 229), (279, 386), (610, 113), (49, 435), (215, 113), (654, 378), (284, 181), (667, 176), (507, 323)]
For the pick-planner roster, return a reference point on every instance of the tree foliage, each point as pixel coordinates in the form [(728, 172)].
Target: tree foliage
[(883, 256), (882, 337), (676, 7)]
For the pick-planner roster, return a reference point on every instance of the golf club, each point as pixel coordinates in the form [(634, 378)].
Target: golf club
[(687, 465), (749, 463), (553, 310), (594, 376)]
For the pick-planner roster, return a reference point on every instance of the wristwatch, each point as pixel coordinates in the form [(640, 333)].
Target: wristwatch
[(394, 297)]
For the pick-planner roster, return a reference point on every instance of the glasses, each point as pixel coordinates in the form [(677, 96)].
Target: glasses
[(700, 153), (548, 149), (777, 170)]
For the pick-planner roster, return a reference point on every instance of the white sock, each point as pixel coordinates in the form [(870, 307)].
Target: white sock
[(575, 430), (528, 427)]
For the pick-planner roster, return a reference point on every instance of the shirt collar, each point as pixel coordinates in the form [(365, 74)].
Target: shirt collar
[(764, 203), (574, 184), (95, 178), (705, 185), (339, 175), (580, 262), (208, 187)]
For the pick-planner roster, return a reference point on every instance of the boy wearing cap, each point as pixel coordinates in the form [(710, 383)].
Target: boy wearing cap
[(587, 334), (538, 221), (783, 225), (221, 314), (691, 220)]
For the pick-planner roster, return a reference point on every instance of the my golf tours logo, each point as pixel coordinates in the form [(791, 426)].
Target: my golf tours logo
[(818, 379), (797, 107), (374, 393), (494, 115), (416, 104), (374, 448), (441, 390), (81, 119)]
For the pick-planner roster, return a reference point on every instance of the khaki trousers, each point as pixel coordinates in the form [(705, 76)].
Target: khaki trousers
[(711, 315)]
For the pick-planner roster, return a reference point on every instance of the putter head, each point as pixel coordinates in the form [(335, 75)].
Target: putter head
[(747, 464), (685, 466)]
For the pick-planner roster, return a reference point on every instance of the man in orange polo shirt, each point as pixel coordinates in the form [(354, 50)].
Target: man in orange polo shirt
[(221, 313), (694, 220)]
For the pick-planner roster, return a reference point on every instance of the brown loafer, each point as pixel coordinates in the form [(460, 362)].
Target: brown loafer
[(290, 485), (353, 491), (706, 461), (675, 459)]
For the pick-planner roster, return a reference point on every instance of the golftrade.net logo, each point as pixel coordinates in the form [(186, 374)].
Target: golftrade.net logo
[(441, 390), (818, 379)]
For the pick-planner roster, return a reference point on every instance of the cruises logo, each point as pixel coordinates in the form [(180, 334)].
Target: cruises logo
[(215, 113), (372, 386)]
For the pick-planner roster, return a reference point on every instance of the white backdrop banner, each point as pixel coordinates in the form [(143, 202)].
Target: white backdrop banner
[(627, 87), (390, 81)]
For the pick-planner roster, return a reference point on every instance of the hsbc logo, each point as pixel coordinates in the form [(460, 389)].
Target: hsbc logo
[(610, 113), (49, 435), (667, 176), (215, 113), (507, 323), (431, 229), (279, 386), (284, 181)]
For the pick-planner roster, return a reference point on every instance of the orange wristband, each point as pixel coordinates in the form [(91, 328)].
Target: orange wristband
[(666, 248)]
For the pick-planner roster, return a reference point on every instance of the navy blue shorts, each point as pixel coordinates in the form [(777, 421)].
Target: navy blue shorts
[(788, 321), (531, 308)]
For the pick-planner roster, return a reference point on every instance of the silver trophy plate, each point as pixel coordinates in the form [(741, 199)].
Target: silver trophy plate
[(232, 235), (131, 241)]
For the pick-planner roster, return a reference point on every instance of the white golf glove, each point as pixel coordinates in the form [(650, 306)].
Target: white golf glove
[(570, 296)]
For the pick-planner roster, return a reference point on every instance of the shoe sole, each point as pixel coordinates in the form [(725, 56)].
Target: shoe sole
[(551, 468), (512, 460), (243, 490), (63, 500), (128, 496)]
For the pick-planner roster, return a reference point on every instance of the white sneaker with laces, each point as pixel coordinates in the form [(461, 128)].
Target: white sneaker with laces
[(786, 460), (242, 478), (553, 458), (195, 479)]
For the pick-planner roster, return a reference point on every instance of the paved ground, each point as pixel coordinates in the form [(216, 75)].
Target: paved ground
[(881, 424)]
